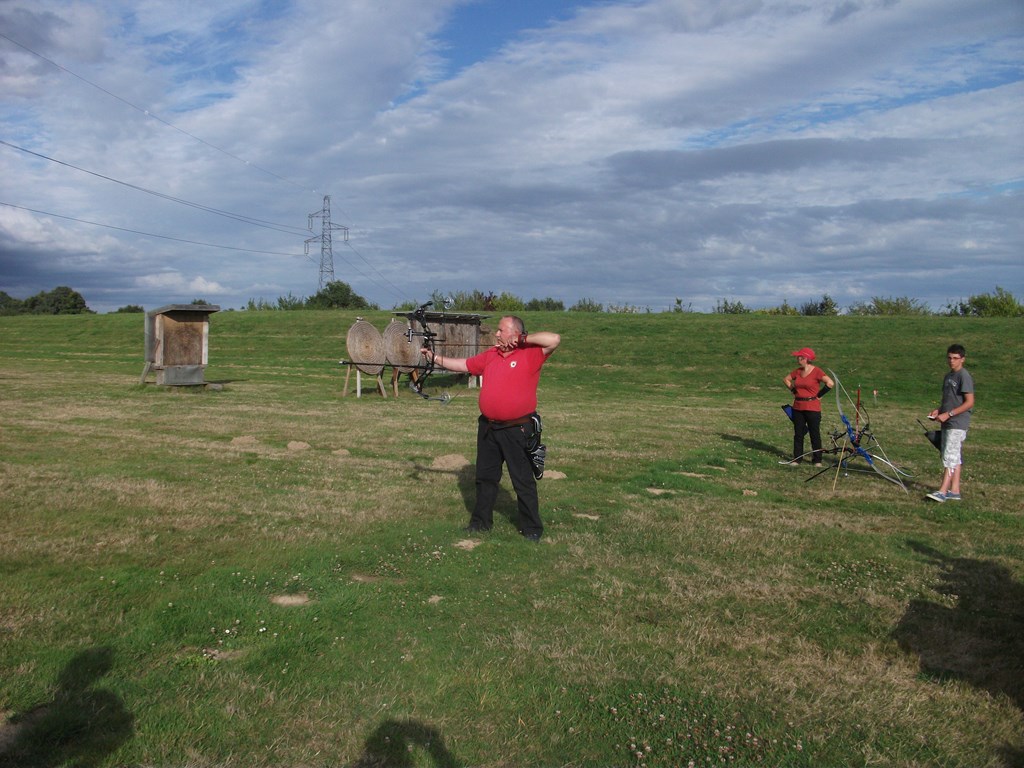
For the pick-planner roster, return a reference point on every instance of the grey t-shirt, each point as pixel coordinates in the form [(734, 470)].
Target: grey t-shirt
[(954, 387)]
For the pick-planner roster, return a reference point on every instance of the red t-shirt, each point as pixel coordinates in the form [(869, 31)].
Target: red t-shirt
[(510, 383), (807, 386)]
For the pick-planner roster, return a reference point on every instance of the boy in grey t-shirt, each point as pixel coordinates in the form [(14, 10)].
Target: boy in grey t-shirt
[(954, 413)]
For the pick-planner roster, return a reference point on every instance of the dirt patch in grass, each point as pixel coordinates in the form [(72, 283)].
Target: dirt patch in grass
[(222, 654), (452, 461), (364, 578), (300, 598)]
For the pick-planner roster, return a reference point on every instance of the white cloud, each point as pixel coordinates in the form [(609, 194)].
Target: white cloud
[(632, 153), (175, 282)]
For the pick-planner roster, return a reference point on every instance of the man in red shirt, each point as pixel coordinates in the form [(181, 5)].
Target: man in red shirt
[(508, 402)]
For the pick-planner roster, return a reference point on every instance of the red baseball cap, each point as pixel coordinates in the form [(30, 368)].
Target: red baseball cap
[(805, 352)]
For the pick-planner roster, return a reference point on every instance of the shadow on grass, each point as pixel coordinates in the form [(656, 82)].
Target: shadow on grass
[(395, 744), (505, 505), (979, 639), (756, 445), (80, 726)]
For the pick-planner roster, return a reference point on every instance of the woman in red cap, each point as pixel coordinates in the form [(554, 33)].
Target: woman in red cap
[(808, 383)]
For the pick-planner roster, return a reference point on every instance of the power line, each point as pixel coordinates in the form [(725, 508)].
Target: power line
[(186, 241), (398, 291), (286, 228), (326, 240), (140, 232), (156, 117), (325, 276), (238, 217)]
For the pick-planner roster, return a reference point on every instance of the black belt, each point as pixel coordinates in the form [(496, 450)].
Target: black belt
[(495, 424), (805, 399)]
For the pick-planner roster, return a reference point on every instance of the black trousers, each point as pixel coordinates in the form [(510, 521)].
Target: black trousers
[(495, 447), (805, 422)]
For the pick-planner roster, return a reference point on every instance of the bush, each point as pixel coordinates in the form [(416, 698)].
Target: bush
[(60, 301), (9, 305), (587, 305), (785, 308), (465, 301), (336, 295), (903, 305), (1000, 304), (726, 307), (545, 305), (827, 307), (507, 303)]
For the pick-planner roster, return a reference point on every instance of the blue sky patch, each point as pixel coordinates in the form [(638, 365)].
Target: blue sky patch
[(478, 30)]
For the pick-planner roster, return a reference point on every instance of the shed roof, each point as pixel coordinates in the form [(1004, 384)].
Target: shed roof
[(444, 316), (207, 308)]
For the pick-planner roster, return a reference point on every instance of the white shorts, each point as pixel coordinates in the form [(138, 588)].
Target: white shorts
[(952, 447)]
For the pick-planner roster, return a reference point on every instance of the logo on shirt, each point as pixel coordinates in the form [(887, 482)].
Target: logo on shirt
[(512, 364)]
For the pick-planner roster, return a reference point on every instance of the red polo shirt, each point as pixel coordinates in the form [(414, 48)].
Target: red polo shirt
[(510, 383)]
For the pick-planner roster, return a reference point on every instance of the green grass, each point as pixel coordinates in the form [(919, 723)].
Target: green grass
[(691, 602)]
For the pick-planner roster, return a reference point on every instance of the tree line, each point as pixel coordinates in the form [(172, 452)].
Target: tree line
[(1001, 303), (60, 301), (339, 295)]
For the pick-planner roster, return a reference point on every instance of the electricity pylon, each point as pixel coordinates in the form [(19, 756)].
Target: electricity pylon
[(325, 238)]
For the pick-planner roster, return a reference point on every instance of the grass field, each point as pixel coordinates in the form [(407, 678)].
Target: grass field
[(270, 574)]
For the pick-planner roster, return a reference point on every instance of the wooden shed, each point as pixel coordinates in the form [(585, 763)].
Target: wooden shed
[(177, 343), (458, 334)]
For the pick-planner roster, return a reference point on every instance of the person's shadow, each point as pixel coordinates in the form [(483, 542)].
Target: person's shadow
[(505, 505), (80, 726), (755, 445), (980, 638), (395, 742)]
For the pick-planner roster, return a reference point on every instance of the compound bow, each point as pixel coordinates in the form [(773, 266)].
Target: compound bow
[(859, 441), (428, 343)]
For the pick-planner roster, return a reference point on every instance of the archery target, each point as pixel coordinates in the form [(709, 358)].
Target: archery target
[(403, 354), (365, 347)]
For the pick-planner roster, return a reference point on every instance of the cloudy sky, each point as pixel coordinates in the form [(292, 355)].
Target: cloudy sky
[(630, 152)]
